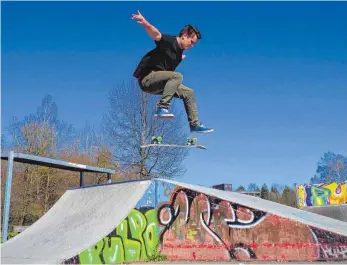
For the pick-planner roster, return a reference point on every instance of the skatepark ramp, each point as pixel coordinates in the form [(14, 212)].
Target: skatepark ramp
[(77, 221), (338, 212), (137, 220)]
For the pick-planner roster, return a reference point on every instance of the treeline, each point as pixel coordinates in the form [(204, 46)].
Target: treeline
[(35, 189), (283, 194), (331, 167), (128, 123)]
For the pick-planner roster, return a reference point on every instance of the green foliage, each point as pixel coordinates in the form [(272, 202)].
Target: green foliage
[(9, 235)]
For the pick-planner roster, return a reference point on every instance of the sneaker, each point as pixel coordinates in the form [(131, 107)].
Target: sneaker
[(163, 113), (200, 129)]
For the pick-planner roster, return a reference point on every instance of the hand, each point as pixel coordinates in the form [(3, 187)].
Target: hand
[(183, 56), (140, 19)]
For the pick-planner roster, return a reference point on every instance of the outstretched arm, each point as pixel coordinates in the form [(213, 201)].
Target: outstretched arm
[(151, 30)]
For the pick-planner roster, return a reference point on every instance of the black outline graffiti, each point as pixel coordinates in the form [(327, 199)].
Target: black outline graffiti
[(191, 195)]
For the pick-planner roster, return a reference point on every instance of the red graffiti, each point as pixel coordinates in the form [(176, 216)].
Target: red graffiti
[(199, 227)]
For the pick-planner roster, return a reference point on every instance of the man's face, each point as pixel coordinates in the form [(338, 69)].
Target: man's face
[(189, 41)]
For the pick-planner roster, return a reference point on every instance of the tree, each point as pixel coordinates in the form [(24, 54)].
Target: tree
[(35, 188), (90, 141), (278, 188), (3, 142), (289, 197), (331, 167), (274, 189), (264, 192), (240, 188), (32, 188), (252, 187), (46, 113), (130, 123), (272, 196)]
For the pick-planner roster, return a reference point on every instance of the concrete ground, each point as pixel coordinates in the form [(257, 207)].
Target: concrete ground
[(244, 263)]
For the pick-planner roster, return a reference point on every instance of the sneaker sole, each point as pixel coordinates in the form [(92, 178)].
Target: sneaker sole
[(207, 131), (165, 116)]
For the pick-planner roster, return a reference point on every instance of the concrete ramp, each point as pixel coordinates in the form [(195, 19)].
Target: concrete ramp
[(174, 221), (78, 220), (182, 222), (304, 217), (338, 212)]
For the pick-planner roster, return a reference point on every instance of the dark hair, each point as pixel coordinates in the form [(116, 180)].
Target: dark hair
[(190, 30)]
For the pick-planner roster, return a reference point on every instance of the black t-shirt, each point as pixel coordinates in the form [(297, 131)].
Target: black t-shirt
[(167, 55)]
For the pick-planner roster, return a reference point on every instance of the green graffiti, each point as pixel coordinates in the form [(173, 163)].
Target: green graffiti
[(135, 238), (151, 235), (92, 255), (319, 196), (132, 248), (113, 251)]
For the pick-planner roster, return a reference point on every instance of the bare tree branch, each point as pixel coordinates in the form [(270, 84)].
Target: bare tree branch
[(130, 123)]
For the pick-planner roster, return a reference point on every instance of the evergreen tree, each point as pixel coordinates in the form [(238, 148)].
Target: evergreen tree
[(252, 187), (240, 188), (264, 192), (289, 197)]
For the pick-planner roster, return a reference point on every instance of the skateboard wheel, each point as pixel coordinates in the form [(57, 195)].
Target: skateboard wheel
[(156, 139), (191, 141)]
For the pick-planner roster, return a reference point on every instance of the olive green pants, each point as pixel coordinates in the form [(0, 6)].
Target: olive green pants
[(169, 85)]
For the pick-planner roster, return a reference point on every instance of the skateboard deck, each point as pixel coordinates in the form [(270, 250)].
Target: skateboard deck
[(175, 145), (157, 141)]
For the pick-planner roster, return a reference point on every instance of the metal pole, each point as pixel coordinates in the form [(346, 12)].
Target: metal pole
[(109, 178), (81, 178), (7, 199)]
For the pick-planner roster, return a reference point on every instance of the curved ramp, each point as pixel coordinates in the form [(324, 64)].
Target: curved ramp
[(80, 218)]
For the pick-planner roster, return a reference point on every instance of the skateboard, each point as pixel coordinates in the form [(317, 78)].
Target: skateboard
[(158, 141)]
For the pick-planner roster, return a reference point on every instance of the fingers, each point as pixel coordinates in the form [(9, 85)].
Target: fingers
[(137, 16)]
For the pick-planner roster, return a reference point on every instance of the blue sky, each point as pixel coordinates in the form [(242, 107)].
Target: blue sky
[(269, 77)]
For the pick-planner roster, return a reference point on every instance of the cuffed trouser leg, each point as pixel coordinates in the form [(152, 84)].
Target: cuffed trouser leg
[(169, 85)]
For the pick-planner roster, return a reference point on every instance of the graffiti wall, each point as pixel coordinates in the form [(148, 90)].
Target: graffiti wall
[(321, 194), (175, 223)]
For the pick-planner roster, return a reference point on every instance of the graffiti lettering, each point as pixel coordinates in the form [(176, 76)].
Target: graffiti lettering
[(321, 194), (202, 213), (135, 238), (193, 226), (331, 246)]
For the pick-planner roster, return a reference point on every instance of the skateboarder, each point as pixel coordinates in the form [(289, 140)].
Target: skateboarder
[(156, 71)]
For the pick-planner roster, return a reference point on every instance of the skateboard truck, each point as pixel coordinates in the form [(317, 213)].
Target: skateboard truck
[(156, 140), (191, 141)]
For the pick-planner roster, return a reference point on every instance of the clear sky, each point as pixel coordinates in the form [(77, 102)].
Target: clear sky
[(270, 77)]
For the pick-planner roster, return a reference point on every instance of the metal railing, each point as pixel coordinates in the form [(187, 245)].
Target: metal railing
[(41, 161)]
